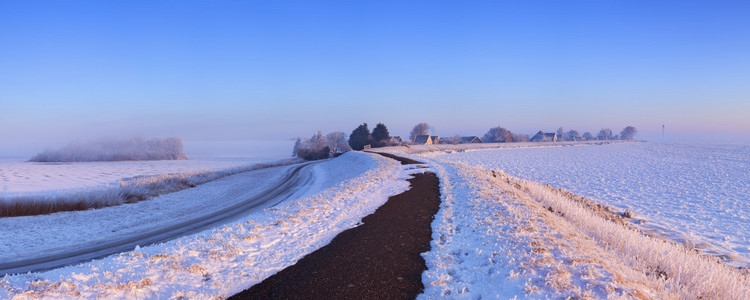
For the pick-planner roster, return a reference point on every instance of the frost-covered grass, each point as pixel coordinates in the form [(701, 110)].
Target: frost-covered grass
[(687, 192), (126, 191), (501, 236), (683, 270), (221, 262)]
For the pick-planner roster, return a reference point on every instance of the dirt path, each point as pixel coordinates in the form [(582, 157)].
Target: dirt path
[(377, 260)]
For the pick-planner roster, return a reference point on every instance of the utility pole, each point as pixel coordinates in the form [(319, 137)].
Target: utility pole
[(662, 130)]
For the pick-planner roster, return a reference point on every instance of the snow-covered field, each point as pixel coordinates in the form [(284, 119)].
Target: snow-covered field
[(18, 176), (694, 192), (498, 236), (219, 262)]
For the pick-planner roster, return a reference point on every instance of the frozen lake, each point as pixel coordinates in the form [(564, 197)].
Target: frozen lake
[(19, 176), (699, 192)]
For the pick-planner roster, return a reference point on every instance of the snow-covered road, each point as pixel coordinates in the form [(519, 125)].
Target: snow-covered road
[(295, 181)]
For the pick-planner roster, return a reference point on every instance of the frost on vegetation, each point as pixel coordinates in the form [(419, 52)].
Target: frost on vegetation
[(501, 236), (683, 271), (127, 191), (684, 192), (116, 150), (221, 262)]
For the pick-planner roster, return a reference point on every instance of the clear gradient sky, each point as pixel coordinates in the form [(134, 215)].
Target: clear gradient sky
[(245, 70)]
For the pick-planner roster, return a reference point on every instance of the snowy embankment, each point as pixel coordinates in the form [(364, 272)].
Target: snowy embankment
[(226, 260), (499, 236)]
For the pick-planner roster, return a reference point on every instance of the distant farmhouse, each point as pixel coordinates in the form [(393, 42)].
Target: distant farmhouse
[(435, 139), (396, 140), (470, 139), (544, 137), (423, 140)]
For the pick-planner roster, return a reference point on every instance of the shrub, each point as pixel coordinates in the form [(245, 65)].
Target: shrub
[(115, 150), (319, 146)]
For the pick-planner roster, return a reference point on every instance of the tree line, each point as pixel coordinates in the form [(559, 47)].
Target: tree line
[(321, 146)]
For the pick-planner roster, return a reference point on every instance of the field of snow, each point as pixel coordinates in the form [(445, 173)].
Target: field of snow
[(698, 193), (214, 263), (17, 176), (498, 236)]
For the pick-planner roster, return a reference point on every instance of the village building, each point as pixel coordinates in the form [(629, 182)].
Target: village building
[(423, 140), (544, 137), (508, 137), (396, 140), (435, 139), (470, 139)]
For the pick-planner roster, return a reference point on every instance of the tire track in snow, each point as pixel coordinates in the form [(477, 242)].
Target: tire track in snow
[(291, 184)]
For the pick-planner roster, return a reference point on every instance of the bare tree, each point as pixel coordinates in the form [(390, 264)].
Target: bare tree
[(317, 141), (628, 133), (604, 134), (517, 137), (318, 146), (456, 139), (588, 136), (419, 129), (496, 134), (297, 146), (561, 134), (337, 142), (573, 135)]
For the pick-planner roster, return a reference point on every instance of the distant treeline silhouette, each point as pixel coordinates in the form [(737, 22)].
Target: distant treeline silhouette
[(116, 150)]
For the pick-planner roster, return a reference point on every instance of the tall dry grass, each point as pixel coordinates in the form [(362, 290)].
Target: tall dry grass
[(682, 270), (128, 191)]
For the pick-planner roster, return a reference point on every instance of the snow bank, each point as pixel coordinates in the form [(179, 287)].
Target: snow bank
[(226, 260)]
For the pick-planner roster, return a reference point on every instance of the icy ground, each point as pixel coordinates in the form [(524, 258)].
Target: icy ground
[(215, 263), (18, 176), (694, 192)]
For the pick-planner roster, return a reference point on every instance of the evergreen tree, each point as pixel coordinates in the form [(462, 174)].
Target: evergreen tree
[(380, 133), (360, 137)]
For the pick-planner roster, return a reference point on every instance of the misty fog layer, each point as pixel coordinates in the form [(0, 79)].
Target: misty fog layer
[(116, 150)]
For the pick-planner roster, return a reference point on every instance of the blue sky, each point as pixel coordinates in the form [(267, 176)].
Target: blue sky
[(248, 70)]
